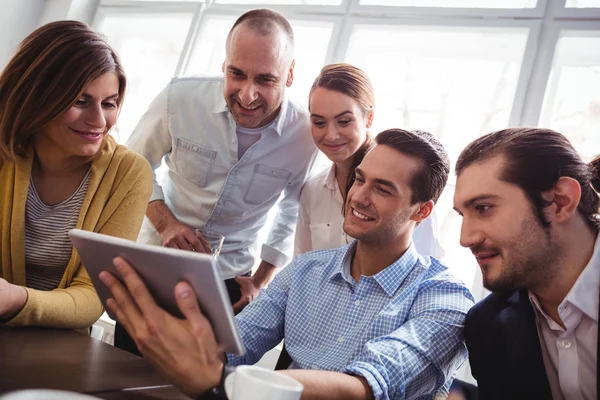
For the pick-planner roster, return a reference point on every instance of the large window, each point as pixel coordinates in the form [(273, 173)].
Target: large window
[(456, 82), (572, 101), (149, 46), (454, 3)]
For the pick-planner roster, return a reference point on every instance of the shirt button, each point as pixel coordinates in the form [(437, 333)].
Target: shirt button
[(340, 339), (566, 344), (357, 303)]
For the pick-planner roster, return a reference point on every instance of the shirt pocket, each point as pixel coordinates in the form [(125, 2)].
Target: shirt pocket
[(319, 236), (266, 183), (193, 161)]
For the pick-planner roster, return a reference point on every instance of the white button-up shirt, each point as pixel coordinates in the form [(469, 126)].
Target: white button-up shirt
[(320, 220), (207, 187), (570, 354)]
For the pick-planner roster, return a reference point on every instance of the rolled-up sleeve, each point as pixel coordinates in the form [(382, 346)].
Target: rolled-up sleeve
[(422, 355)]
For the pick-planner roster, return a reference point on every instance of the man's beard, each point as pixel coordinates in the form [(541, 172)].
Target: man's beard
[(532, 259)]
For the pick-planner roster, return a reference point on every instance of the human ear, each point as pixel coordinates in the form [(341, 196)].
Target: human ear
[(565, 197), (290, 77), (423, 211)]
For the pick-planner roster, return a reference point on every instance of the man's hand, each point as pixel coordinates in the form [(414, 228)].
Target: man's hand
[(183, 350), (172, 232), (180, 236), (250, 286), (12, 299)]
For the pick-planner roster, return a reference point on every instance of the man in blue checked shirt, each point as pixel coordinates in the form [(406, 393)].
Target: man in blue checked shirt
[(373, 319)]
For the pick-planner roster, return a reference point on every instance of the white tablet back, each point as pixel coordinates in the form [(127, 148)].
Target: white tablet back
[(161, 269)]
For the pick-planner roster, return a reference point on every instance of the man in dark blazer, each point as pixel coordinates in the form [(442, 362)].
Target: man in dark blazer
[(531, 217)]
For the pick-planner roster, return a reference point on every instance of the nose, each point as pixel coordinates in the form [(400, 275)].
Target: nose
[(470, 234), (248, 93), (95, 117), (360, 195), (331, 133)]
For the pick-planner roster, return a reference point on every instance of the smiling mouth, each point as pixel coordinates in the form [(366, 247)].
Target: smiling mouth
[(483, 257), (91, 135), (249, 108), (361, 216), (334, 146)]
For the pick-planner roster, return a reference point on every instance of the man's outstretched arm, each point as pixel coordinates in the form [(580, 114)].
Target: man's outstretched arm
[(185, 350)]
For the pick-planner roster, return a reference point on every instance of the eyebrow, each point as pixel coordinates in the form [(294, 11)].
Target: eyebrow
[(89, 96), (383, 182), (263, 76), (337, 116), (476, 199)]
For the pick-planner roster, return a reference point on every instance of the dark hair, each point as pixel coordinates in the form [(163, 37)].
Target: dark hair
[(534, 160), (264, 22), (595, 167), (46, 76), (429, 181), (354, 83)]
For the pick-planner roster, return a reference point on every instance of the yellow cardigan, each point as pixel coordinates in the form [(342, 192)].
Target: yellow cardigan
[(115, 203)]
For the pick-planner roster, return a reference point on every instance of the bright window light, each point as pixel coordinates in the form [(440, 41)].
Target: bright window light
[(582, 3), (283, 2), (457, 83), (149, 46), (572, 100), (454, 3)]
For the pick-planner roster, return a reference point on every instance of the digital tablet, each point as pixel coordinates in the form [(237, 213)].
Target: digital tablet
[(161, 268)]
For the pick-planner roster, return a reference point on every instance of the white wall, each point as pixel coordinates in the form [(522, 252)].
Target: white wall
[(17, 19)]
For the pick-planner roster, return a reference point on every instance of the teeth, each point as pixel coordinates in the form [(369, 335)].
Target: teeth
[(359, 215), (250, 108)]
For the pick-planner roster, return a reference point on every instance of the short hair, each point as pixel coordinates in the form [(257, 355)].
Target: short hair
[(430, 179), (534, 160), (264, 22), (354, 83), (45, 77)]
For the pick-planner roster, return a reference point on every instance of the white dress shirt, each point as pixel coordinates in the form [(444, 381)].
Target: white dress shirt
[(570, 354), (207, 187), (320, 220)]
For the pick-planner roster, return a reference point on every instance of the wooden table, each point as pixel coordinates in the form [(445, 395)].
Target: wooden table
[(66, 360)]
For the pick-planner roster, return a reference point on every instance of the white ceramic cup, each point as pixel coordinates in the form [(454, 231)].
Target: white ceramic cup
[(249, 382)]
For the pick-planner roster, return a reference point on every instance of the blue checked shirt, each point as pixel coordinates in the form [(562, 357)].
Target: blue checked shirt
[(401, 329)]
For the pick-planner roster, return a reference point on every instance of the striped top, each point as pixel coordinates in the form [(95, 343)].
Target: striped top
[(47, 245)]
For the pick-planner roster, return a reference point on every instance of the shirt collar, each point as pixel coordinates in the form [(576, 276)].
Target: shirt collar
[(584, 293), (389, 279), (221, 106), (330, 182)]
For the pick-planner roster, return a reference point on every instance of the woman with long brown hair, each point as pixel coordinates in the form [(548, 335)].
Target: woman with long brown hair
[(60, 169), (342, 108)]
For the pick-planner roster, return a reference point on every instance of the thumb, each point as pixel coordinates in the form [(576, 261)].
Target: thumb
[(188, 305), (239, 279)]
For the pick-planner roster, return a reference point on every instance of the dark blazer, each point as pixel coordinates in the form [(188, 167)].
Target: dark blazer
[(504, 348)]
